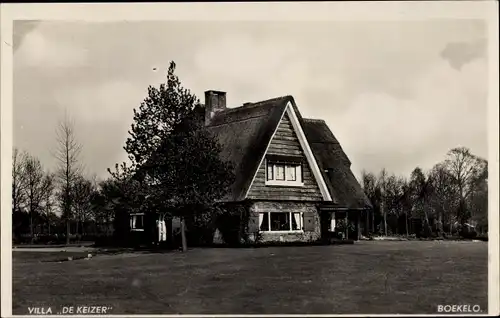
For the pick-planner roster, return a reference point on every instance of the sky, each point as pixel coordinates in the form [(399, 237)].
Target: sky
[(396, 94)]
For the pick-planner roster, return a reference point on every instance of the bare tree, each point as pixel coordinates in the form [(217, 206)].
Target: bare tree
[(83, 192), (406, 203), (49, 199), (464, 168), (369, 187), (420, 189), (444, 197), (18, 179), (37, 186), (68, 155), (394, 195), (382, 182), (478, 198)]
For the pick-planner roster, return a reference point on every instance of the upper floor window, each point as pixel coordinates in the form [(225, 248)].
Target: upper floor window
[(283, 173)]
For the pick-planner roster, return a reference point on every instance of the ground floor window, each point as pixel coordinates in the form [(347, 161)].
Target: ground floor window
[(280, 221), (137, 222)]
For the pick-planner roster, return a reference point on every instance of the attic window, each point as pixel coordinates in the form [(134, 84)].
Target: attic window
[(280, 173)]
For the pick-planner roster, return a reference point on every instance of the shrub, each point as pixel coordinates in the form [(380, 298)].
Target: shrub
[(467, 232), (482, 237), (105, 240)]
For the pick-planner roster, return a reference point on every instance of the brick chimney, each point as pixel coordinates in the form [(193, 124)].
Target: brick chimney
[(215, 101)]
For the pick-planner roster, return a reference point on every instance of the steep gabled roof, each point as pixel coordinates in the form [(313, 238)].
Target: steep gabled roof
[(335, 166), (244, 133)]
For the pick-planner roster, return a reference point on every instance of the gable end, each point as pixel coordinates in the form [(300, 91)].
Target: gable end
[(293, 132)]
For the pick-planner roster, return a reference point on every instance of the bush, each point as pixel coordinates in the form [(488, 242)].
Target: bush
[(229, 227), (467, 232), (105, 240), (482, 237), (199, 236), (425, 233)]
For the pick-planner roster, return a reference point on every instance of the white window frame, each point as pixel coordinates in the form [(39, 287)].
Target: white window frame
[(301, 226), (133, 220), (298, 182)]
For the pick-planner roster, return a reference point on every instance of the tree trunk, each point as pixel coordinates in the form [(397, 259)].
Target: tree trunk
[(373, 220), (367, 223), (183, 234), (68, 231), (427, 223), (76, 229), (440, 222), (397, 224), (358, 226), (32, 232), (406, 223), (385, 218), (451, 225)]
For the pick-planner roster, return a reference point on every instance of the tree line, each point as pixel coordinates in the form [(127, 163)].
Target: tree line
[(175, 170), (58, 203), (450, 198)]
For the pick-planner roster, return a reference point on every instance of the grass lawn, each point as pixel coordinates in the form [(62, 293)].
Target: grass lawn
[(367, 277)]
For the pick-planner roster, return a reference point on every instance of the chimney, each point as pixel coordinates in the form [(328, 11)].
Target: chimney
[(215, 101)]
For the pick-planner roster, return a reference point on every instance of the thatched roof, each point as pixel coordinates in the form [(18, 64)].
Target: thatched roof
[(244, 133), (335, 166)]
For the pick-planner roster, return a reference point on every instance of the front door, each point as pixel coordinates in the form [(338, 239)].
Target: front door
[(325, 219)]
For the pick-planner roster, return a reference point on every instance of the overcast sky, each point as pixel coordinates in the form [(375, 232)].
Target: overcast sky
[(396, 94)]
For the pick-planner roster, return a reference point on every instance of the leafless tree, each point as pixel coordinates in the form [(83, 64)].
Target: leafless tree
[(68, 155), (406, 202), (37, 186), (382, 182), (82, 200), (18, 180), (49, 199), (464, 168), (478, 199), (444, 196), (369, 181)]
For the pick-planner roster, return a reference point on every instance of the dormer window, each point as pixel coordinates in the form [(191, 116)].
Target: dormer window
[(283, 172)]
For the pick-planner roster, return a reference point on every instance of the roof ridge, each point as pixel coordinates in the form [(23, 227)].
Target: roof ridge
[(248, 111), (266, 101), (314, 120), (248, 105), (236, 121), (254, 104), (325, 142)]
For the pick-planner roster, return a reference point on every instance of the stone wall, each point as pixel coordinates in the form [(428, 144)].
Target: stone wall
[(311, 233)]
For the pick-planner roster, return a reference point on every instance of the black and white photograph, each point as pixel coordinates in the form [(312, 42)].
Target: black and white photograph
[(287, 158)]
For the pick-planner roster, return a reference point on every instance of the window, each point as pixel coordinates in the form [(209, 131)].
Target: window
[(280, 172), (284, 174), (291, 173), (137, 222), (280, 221), (270, 175)]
